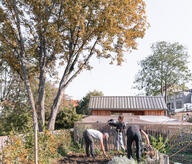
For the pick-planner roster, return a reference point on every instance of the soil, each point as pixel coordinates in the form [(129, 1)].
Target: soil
[(77, 158), (82, 159)]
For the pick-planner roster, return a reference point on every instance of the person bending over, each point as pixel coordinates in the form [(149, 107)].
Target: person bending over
[(134, 134), (91, 134)]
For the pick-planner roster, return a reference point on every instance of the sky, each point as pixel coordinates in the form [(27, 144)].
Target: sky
[(170, 20)]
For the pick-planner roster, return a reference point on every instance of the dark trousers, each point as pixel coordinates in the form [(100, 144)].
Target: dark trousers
[(89, 143), (133, 134)]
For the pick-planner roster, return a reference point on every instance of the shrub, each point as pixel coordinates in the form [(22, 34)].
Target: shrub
[(66, 118), (159, 143), (15, 120), (15, 151), (20, 148)]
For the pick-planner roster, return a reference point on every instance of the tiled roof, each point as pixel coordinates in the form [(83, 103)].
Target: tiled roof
[(127, 103)]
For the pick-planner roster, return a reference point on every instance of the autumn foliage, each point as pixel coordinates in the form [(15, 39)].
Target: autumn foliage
[(37, 34), (19, 148)]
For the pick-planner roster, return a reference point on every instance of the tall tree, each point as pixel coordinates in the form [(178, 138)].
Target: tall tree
[(83, 106), (165, 68), (11, 20), (96, 28), (70, 32)]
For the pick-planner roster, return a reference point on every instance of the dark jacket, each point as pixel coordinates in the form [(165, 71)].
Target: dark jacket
[(133, 130), (120, 126)]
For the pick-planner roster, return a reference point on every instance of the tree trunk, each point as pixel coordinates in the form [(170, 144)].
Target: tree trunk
[(165, 94), (162, 87), (54, 108), (41, 98), (42, 77), (63, 85), (65, 82), (26, 81), (34, 115)]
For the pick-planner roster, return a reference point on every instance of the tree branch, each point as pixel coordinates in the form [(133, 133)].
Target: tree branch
[(81, 67)]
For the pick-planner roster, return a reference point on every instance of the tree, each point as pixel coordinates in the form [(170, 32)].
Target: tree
[(164, 69), (43, 33), (16, 36), (96, 28), (83, 106)]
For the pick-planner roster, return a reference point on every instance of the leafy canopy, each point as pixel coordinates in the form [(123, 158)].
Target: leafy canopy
[(70, 27), (165, 68), (42, 33)]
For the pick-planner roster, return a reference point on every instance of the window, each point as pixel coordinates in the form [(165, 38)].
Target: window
[(181, 95), (172, 105), (178, 104)]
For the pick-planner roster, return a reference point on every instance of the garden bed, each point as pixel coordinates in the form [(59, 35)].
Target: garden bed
[(81, 158), (76, 158)]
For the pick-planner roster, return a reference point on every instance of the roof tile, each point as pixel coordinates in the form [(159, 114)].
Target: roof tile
[(127, 103)]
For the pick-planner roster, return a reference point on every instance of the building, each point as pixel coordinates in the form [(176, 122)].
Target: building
[(73, 103), (180, 101), (136, 105)]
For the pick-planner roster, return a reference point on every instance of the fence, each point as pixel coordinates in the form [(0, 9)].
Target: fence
[(179, 137), (151, 129)]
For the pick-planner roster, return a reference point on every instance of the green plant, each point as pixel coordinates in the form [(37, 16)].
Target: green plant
[(64, 139), (17, 120), (66, 118), (159, 143), (15, 151), (77, 140)]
